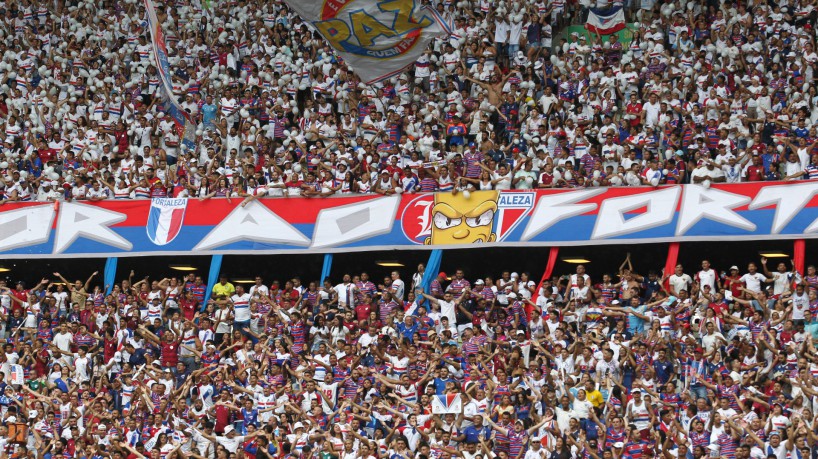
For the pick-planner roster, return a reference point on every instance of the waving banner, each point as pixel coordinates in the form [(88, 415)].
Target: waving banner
[(184, 127), (751, 211), (378, 39), (605, 21)]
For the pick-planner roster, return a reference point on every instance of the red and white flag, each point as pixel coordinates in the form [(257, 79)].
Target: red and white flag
[(605, 21)]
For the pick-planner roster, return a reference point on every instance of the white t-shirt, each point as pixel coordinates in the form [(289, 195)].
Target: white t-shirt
[(63, 341), (231, 444), (398, 288), (447, 309), (753, 281), (680, 282), (800, 304), (781, 282), (241, 307), (707, 278), (81, 367), (582, 408)]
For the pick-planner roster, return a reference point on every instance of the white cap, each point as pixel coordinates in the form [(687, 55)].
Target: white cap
[(228, 429), (298, 425), (512, 295), (479, 282)]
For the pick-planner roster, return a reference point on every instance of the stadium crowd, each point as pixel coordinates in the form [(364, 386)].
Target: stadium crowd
[(626, 365), (703, 92)]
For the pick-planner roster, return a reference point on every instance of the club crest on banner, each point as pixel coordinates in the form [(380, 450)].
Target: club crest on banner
[(477, 217), (165, 219)]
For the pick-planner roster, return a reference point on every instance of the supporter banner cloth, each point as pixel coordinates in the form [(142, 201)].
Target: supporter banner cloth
[(378, 39), (549, 218), (184, 128), (447, 403), (605, 21)]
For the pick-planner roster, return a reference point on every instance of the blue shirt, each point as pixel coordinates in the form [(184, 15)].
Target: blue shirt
[(472, 433), (208, 114), (408, 331), (664, 370), (635, 324), (440, 385)]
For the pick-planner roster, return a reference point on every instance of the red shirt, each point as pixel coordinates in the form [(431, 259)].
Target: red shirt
[(157, 188), (755, 173), (362, 311), (46, 155), (188, 307), (110, 348), (222, 418), (170, 354)]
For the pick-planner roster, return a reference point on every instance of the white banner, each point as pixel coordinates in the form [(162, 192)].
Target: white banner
[(17, 376), (447, 403), (377, 39)]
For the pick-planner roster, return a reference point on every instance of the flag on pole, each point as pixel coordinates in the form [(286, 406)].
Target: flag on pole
[(447, 403), (184, 127), (378, 40), (605, 21)]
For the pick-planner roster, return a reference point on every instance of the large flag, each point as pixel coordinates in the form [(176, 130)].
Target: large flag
[(447, 403), (378, 39), (605, 21), (184, 127)]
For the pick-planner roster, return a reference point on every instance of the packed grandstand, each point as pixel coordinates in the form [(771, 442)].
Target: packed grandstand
[(680, 362)]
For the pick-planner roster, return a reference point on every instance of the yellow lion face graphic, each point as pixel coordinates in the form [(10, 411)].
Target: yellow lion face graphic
[(458, 219)]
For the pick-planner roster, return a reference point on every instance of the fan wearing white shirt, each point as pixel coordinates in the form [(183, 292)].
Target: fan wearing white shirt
[(781, 278), (708, 276), (753, 279), (679, 281)]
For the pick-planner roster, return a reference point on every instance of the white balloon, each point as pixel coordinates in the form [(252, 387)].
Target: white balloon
[(297, 168), (466, 194), (654, 181), (706, 184), (398, 190)]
